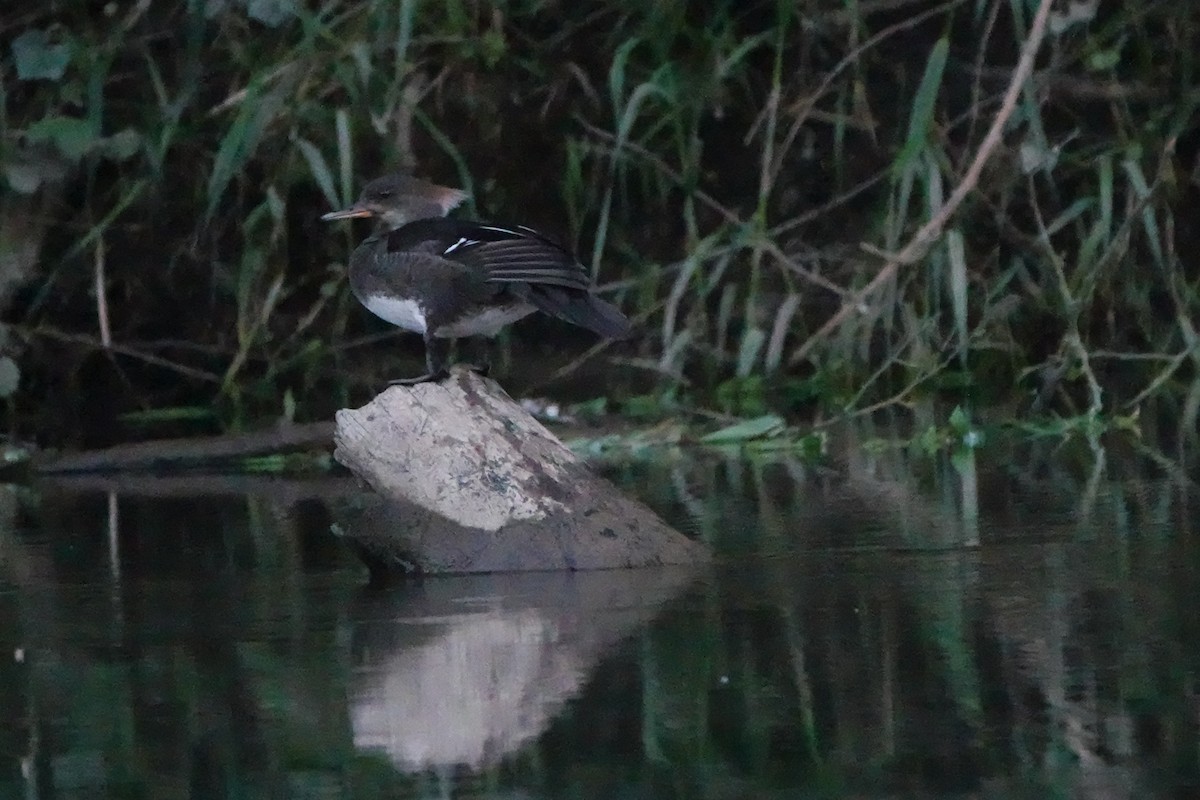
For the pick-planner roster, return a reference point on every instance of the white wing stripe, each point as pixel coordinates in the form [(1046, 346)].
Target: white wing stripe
[(500, 229), (463, 242)]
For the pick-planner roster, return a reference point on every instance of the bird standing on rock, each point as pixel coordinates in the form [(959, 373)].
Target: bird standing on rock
[(447, 278)]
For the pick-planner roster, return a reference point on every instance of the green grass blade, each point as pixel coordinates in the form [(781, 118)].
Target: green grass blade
[(616, 74), (319, 168), (255, 113), (924, 105), (1105, 169), (1149, 221), (1070, 214), (752, 345), (345, 156), (765, 426), (956, 253)]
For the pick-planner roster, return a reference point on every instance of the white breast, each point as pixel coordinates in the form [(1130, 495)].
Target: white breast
[(401, 312)]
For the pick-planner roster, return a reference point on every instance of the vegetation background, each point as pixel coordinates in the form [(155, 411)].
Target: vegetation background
[(735, 172)]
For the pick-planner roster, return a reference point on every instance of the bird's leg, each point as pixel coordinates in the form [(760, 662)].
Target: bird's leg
[(484, 366), (435, 363)]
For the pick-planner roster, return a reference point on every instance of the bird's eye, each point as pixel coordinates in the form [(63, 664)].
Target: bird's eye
[(384, 194)]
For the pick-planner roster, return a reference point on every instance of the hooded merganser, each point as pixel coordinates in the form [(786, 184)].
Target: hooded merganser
[(447, 278)]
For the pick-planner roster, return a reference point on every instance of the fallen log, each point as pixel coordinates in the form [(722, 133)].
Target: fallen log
[(468, 481), (176, 454)]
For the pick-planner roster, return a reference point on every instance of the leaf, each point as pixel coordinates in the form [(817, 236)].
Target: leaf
[(956, 253), (1036, 155), (616, 73), (1104, 60), (596, 407), (743, 396), (752, 344), (72, 136), (10, 376), (26, 174), (960, 422), (924, 104), (493, 47), (760, 427), (23, 178), (642, 406), (1076, 13), (319, 168), (345, 156), (36, 58), (241, 140), (121, 146), (927, 92), (1149, 222), (289, 406), (726, 65), (1104, 167), (1072, 213), (271, 13)]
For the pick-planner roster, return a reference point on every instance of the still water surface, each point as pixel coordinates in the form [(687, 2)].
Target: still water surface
[(171, 638)]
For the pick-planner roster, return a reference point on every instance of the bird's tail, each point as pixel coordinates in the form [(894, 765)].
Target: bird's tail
[(583, 309)]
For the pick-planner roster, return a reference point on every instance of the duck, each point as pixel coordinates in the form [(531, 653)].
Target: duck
[(447, 278)]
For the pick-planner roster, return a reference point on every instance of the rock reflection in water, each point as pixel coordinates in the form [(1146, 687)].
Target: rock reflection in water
[(463, 671), (484, 686)]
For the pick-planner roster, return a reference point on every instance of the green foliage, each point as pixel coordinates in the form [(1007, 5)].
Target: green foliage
[(959, 435), (764, 427), (717, 171), (36, 58)]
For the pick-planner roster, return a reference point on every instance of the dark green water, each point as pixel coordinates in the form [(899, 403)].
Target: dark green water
[(209, 638)]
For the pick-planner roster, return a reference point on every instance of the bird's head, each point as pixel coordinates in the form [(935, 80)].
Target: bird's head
[(398, 199)]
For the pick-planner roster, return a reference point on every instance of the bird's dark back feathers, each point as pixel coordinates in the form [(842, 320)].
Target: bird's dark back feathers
[(504, 254)]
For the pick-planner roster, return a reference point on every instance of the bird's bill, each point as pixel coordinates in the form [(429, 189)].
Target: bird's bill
[(349, 213)]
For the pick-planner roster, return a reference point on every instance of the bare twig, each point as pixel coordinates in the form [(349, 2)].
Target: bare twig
[(88, 341), (919, 245)]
